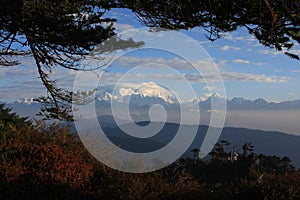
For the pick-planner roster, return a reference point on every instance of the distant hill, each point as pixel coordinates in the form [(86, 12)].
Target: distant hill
[(265, 142), (254, 114)]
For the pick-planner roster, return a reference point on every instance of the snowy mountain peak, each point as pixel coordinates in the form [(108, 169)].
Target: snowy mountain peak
[(149, 90), (106, 97), (152, 89), (126, 92), (206, 97), (26, 100), (216, 96)]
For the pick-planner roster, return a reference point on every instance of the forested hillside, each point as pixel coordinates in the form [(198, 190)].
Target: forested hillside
[(48, 162)]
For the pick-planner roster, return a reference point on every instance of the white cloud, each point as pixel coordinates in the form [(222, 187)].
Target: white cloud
[(206, 66), (265, 51), (241, 61), (254, 77), (116, 14), (174, 63), (234, 38), (227, 48), (297, 71), (195, 78), (249, 38), (221, 63), (12, 86), (270, 52), (123, 27), (202, 42), (258, 63), (274, 52)]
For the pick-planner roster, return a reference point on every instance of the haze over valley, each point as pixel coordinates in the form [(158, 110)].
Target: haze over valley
[(254, 114)]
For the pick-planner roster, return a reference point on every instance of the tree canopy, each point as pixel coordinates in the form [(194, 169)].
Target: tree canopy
[(55, 33), (274, 23), (62, 33)]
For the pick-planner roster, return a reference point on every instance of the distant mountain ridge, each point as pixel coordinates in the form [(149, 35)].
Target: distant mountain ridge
[(265, 142), (237, 103), (241, 112), (152, 93)]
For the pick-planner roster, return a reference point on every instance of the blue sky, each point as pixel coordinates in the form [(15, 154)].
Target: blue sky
[(256, 71), (248, 69)]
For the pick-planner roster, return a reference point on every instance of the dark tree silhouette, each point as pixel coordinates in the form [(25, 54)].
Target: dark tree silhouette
[(219, 154), (274, 23), (56, 33), (248, 149)]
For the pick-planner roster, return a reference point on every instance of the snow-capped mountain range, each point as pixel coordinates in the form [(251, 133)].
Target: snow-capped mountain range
[(146, 93), (241, 112), (152, 93)]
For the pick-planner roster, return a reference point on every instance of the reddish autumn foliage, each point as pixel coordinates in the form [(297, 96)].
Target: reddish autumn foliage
[(48, 162), (34, 155)]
